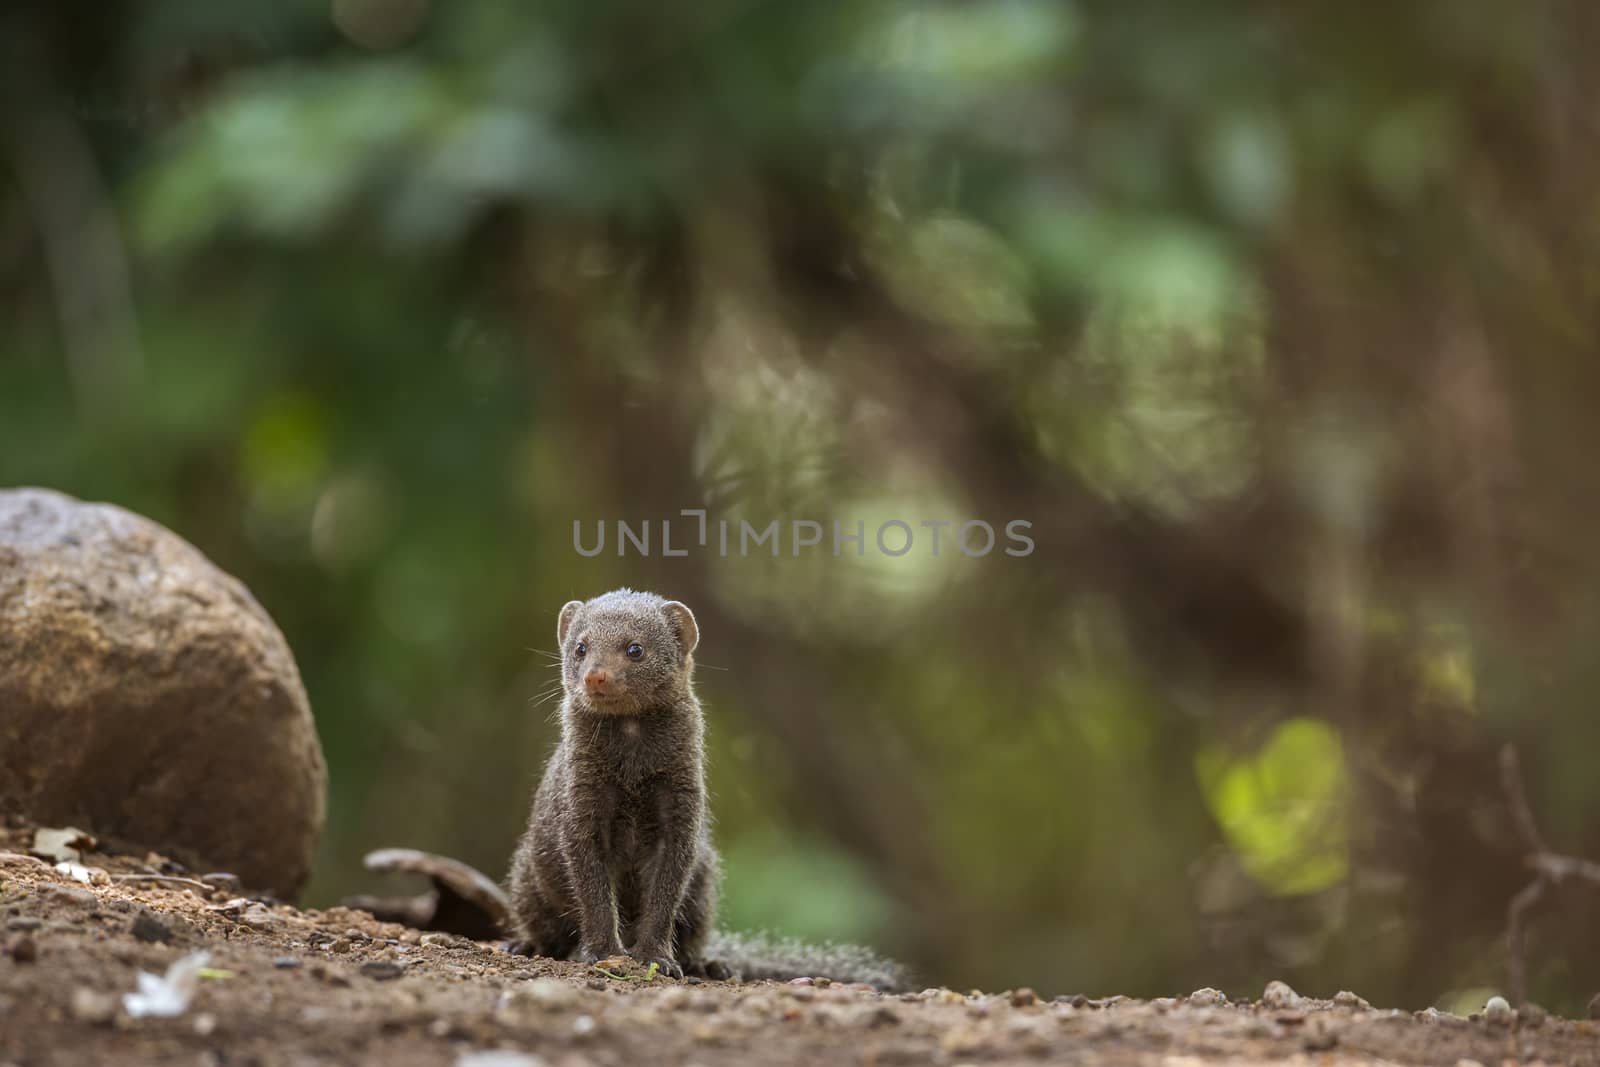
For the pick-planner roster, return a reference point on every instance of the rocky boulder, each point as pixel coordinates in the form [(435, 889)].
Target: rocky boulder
[(145, 695)]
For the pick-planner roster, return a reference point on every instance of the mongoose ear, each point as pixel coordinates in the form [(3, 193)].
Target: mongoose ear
[(569, 612), (681, 619)]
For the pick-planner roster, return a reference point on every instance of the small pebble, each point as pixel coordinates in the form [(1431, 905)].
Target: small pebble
[(1279, 995), (286, 963), (961, 1041), (545, 994), (205, 1024), (24, 949), (66, 894), (146, 927), (1497, 1012), (1208, 998), (1319, 1036), (882, 1016), (382, 970), (1346, 999), (333, 978), (1023, 998), (583, 1025), (435, 940), (340, 945), (801, 981), (92, 1007), (23, 923), (499, 1057)]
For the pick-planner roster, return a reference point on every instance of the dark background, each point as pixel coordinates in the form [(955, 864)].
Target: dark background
[(1276, 320)]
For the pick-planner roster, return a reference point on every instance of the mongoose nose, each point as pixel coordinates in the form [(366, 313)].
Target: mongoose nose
[(595, 680)]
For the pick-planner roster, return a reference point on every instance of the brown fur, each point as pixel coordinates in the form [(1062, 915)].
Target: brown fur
[(617, 856)]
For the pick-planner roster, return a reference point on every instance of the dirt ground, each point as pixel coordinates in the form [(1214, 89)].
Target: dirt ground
[(290, 987)]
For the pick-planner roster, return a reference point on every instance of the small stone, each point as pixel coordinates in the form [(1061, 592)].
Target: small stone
[(286, 963), (333, 978), (961, 1041), (1497, 1012), (1075, 1000), (1278, 995), (205, 1024), (583, 1026), (543, 994), (1208, 998), (382, 970), (24, 949), (1346, 999), (1029, 1031), (597, 984), (435, 940), (92, 1007), (148, 928), (802, 981), (23, 923), (822, 981), (499, 1057), (882, 1016), (1023, 998), (340, 945), (66, 894), (1319, 1036), (259, 917), (1469, 1063)]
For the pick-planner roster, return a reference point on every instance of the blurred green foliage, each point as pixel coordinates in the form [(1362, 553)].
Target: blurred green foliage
[(1276, 323)]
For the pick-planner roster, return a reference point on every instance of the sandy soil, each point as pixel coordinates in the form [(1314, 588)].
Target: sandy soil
[(294, 987)]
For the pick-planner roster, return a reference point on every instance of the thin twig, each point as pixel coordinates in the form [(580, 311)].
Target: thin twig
[(1551, 869), (1517, 798), (1517, 939), (172, 878)]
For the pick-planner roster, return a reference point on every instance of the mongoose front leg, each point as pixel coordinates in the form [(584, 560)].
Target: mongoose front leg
[(667, 876), (584, 848)]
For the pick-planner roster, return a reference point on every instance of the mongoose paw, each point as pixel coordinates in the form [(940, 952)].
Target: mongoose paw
[(663, 965), (713, 970), (519, 947)]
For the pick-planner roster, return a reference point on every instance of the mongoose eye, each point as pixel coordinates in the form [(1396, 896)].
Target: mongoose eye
[(581, 650), (635, 650)]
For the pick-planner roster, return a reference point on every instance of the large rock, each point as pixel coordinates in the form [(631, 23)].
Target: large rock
[(146, 696)]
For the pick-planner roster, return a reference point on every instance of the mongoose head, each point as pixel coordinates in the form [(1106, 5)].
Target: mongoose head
[(624, 652)]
